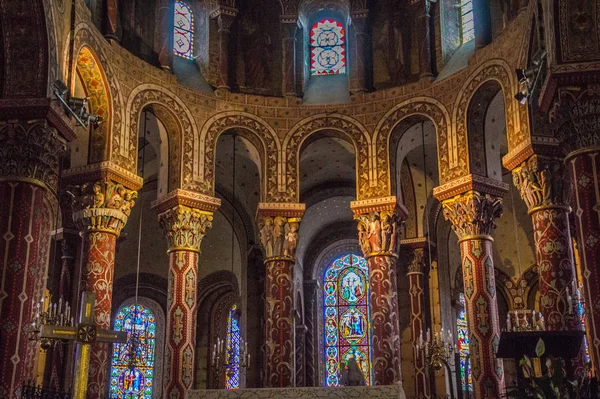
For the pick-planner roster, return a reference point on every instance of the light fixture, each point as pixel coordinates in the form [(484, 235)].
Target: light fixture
[(528, 78), (75, 106)]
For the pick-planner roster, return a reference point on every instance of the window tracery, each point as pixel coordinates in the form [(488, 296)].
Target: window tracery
[(463, 346), (347, 317), (468, 27), (132, 370), (232, 371), (183, 30), (328, 48)]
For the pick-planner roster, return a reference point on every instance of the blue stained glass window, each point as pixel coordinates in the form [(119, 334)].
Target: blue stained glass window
[(463, 346), (327, 48), (468, 27), (183, 30), (347, 317), (582, 315), (232, 372), (132, 368)]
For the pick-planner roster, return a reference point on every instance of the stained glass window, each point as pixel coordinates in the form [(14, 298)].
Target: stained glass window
[(132, 368), (327, 48), (468, 28), (232, 372), (183, 33), (347, 317), (463, 346), (583, 326)]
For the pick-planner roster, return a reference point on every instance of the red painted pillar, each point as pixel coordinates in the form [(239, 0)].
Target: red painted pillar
[(417, 284), (472, 216), (279, 224), (379, 236), (184, 226), (100, 211), (30, 153)]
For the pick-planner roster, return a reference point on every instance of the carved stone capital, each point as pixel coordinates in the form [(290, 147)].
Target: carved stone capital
[(472, 214), (31, 150), (185, 227), (278, 224), (101, 205), (225, 17), (379, 232), (417, 263), (542, 182), (575, 117)]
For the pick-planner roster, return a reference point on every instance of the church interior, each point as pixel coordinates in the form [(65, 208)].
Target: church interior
[(323, 198)]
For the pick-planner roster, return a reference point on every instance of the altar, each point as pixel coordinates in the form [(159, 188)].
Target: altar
[(374, 392)]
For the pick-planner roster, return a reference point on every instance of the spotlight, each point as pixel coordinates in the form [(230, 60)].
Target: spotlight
[(92, 119), (521, 96), (77, 103), (61, 89), (525, 75)]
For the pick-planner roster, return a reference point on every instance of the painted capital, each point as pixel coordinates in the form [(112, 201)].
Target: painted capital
[(418, 261), (185, 218), (575, 117), (31, 150), (472, 213), (379, 221), (278, 224), (542, 182)]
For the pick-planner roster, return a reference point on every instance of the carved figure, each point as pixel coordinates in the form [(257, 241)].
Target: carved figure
[(375, 232), (363, 238), (386, 231), (98, 196), (266, 236), (279, 235), (291, 240)]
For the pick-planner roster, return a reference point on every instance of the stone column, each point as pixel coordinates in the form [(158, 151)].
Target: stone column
[(311, 290), (289, 26), (418, 317), (482, 20), (472, 215), (425, 60), (575, 119), (225, 17), (101, 206), (541, 182), (300, 362), (112, 25), (185, 218), (358, 83), (279, 224), (165, 9), (379, 222), (30, 152)]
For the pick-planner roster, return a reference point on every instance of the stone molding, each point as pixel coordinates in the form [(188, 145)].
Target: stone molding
[(31, 150), (378, 205), (185, 227), (473, 214), (105, 170), (39, 108), (190, 199), (542, 182), (470, 183)]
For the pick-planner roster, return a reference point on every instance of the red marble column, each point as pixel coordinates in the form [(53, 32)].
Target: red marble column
[(225, 19), (29, 158), (165, 33), (288, 44), (417, 286), (379, 235), (584, 174), (279, 224), (184, 228), (540, 182), (472, 216), (100, 211)]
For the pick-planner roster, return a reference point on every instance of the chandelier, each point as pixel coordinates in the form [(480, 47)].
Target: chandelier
[(224, 355), (49, 314), (436, 350)]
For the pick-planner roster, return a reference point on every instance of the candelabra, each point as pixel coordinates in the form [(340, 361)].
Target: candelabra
[(436, 350), (225, 358), (523, 320), (49, 314)]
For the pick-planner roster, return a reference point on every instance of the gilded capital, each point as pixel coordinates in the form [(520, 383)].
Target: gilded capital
[(417, 261), (101, 205), (31, 150), (541, 181), (472, 213), (185, 227), (278, 224)]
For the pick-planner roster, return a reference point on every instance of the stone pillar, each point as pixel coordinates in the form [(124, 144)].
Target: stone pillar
[(311, 291), (289, 26), (225, 17), (101, 206), (472, 215), (185, 218), (112, 24), (379, 222), (358, 83), (482, 19), (418, 313), (30, 152), (540, 181), (575, 119), (425, 55), (300, 362), (165, 9), (279, 224)]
